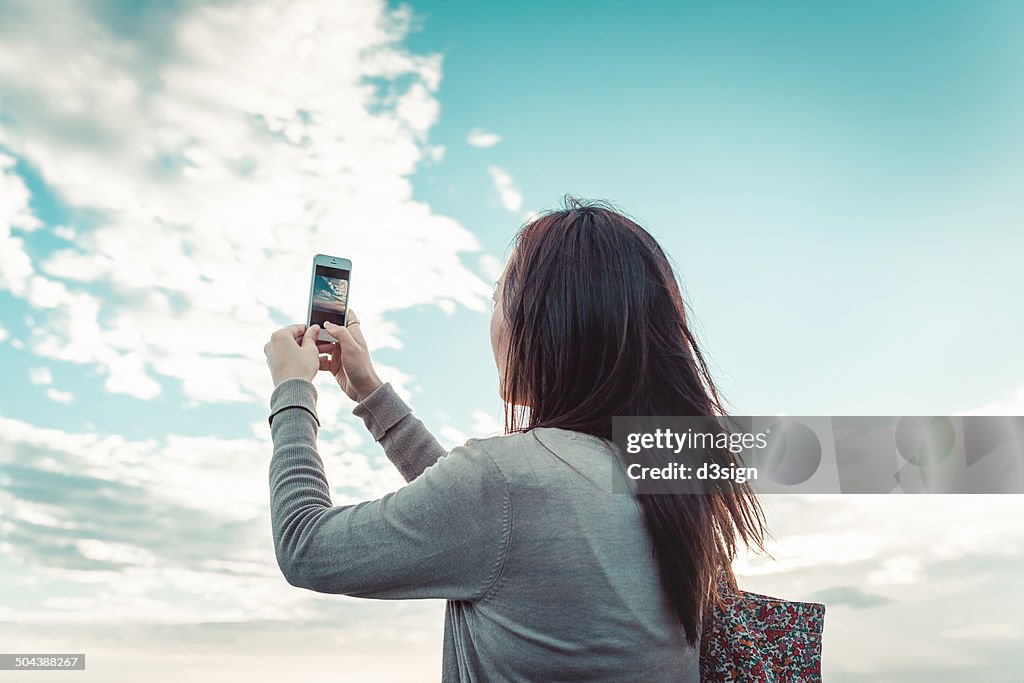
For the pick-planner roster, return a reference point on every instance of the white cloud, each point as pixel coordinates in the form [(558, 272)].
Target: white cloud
[(871, 531), (896, 571), (490, 267), (811, 549), (1011, 405), (59, 396), (157, 526), (4, 334), (15, 264), (107, 551), (984, 631), (64, 232), (478, 137), (484, 425), (41, 375), (40, 515), (214, 168), (436, 153), (510, 196), (14, 198)]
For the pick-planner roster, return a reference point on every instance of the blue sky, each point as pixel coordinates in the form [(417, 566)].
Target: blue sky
[(836, 184)]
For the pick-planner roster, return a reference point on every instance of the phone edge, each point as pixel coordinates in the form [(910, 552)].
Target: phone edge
[(312, 281)]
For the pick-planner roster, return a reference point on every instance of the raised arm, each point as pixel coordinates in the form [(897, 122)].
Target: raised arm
[(406, 441), (444, 535)]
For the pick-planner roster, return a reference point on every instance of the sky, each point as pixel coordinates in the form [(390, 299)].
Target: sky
[(836, 184)]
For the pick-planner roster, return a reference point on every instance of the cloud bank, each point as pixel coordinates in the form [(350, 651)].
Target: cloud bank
[(203, 167), (166, 174)]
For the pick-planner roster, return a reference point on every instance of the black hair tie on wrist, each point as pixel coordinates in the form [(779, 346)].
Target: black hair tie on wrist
[(270, 419)]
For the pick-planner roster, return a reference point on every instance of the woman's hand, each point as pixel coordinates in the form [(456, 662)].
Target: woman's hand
[(349, 359), (291, 352)]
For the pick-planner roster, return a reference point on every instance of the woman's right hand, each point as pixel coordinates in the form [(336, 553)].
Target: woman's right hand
[(349, 359)]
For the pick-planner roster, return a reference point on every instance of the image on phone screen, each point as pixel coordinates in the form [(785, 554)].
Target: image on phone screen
[(330, 296)]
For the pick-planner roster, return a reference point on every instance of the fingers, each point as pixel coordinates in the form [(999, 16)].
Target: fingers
[(294, 331), (309, 338), (332, 361), (354, 329), (342, 334)]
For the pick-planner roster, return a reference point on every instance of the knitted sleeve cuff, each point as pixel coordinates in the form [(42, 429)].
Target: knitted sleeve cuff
[(381, 410), (293, 393)]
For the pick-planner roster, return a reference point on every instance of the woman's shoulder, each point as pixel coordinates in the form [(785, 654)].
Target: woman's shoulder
[(537, 438), (525, 451)]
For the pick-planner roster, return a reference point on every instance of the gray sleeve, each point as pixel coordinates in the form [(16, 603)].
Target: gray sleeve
[(444, 535), (407, 443)]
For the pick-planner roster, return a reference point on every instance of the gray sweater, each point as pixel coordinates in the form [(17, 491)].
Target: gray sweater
[(548, 576)]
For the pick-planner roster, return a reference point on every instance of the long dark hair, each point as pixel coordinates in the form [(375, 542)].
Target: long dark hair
[(598, 327)]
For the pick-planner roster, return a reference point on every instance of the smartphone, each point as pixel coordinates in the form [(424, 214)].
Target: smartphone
[(328, 293)]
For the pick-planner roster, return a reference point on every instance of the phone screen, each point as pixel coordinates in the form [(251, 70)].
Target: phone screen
[(330, 296)]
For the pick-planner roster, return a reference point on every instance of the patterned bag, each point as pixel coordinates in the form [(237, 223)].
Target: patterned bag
[(761, 639)]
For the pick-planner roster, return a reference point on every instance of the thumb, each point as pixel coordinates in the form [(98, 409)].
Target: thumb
[(309, 339), (341, 333)]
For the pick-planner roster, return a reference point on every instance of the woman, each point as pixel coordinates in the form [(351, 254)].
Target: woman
[(548, 574)]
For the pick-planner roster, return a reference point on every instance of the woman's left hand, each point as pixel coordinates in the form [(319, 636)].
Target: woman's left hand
[(292, 352)]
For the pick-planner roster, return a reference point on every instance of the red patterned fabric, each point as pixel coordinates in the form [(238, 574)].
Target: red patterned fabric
[(757, 638)]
